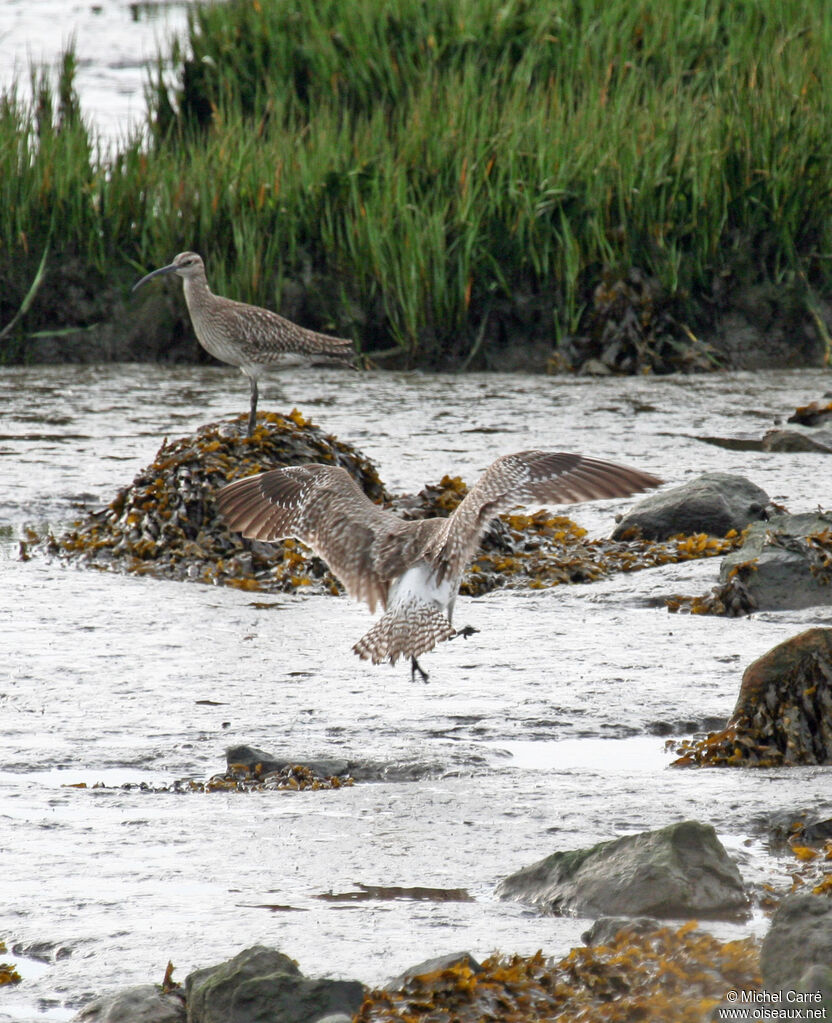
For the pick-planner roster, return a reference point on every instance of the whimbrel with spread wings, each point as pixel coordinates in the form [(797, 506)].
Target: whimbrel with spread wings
[(412, 568), (245, 335)]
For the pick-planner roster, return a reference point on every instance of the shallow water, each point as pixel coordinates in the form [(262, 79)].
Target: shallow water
[(544, 731), (116, 43)]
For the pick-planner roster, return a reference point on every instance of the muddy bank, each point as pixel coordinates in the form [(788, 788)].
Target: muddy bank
[(629, 327)]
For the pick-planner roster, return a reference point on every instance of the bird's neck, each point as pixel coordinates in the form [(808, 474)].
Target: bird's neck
[(197, 292)]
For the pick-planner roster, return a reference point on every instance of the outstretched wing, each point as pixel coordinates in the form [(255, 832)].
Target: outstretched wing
[(323, 506), (550, 477)]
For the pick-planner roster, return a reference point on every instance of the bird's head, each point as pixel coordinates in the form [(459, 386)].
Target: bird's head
[(186, 264)]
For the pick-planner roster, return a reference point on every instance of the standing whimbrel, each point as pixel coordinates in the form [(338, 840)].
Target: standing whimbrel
[(245, 335), (412, 568)]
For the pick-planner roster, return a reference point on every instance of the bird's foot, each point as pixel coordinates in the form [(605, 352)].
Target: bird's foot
[(465, 632), (414, 667)]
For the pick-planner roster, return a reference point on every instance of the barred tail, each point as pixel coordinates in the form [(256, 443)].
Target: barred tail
[(404, 632), (325, 348)]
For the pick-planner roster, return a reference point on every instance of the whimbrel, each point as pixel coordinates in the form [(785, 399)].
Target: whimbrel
[(412, 568), (245, 335)]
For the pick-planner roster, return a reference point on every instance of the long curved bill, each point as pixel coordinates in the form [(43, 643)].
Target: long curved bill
[(155, 273)]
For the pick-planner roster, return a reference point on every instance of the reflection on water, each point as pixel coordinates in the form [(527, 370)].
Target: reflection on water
[(544, 731)]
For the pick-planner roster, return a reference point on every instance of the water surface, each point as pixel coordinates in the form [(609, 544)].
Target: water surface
[(116, 44), (544, 731)]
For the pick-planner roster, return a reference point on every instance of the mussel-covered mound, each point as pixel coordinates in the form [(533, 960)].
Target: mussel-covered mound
[(783, 715), (660, 975), (166, 523)]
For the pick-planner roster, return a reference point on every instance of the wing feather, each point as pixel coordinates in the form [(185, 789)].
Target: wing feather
[(550, 477), (324, 507)]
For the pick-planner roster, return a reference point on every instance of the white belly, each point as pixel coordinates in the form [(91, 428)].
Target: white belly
[(418, 585)]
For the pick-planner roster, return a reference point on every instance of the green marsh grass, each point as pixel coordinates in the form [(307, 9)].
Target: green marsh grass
[(430, 172)]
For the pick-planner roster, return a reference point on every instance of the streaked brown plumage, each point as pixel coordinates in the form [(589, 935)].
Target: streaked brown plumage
[(245, 335), (412, 568)]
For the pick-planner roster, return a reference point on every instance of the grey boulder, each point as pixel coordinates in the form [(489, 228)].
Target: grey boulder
[(447, 962), (144, 1003), (798, 441), (799, 939), (681, 870), (261, 985), (786, 570), (715, 503), (606, 929)]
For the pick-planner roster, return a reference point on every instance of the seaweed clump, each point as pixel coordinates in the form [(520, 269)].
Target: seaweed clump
[(731, 598), (241, 778), (659, 975), (810, 843), (8, 972), (541, 550), (812, 414), (783, 715), (630, 328), (544, 550)]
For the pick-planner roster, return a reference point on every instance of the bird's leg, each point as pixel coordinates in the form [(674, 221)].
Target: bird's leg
[(465, 632), (252, 416), (414, 667)]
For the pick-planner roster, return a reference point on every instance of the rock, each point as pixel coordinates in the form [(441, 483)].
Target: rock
[(210, 990), (786, 671), (595, 368), (327, 768), (813, 413), (715, 503), (817, 982), (788, 562), (678, 871), (783, 714), (261, 984), (452, 961), (736, 443), (606, 928), (798, 942), (142, 1004), (817, 832), (799, 826), (794, 440)]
